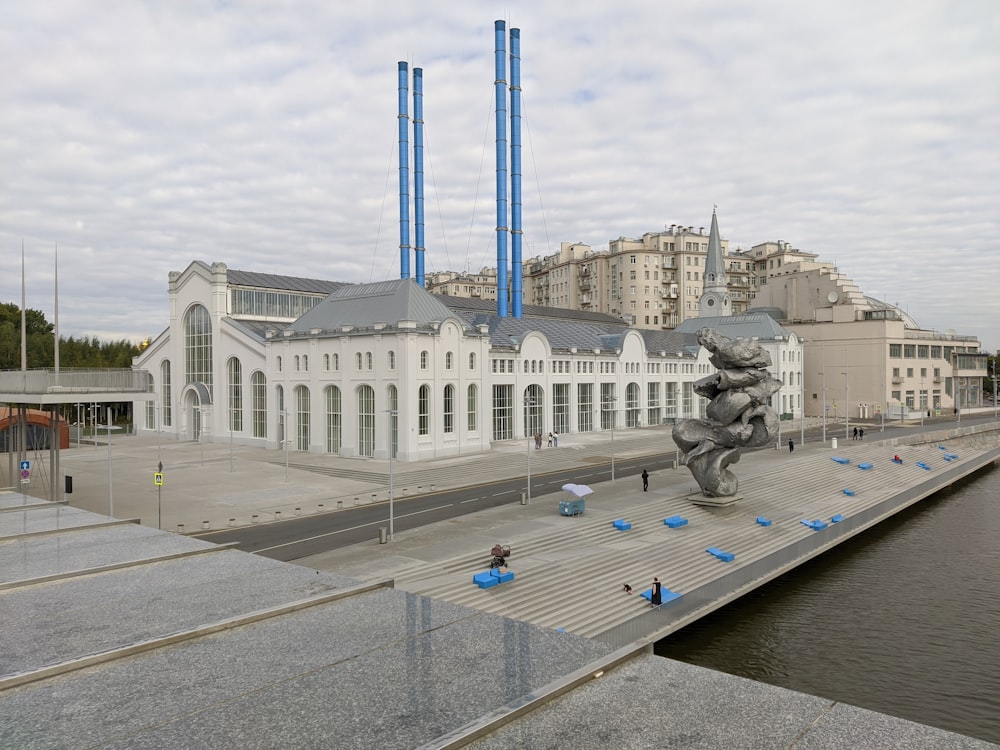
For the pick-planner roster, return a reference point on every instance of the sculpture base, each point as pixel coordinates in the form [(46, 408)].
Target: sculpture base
[(714, 502)]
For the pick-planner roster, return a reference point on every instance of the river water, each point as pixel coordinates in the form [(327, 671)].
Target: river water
[(903, 619)]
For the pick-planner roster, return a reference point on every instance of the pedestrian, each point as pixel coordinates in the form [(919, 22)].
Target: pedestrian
[(791, 445), (861, 434), (555, 439), (550, 440), (854, 435), (645, 480), (656, 598), (628, 589), (538, 441)]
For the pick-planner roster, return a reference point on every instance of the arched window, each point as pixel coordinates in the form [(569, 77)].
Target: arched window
[(258, 392), (449, 408), (336, 363), (298, 363), (334, 417), (366, 421), (391, 358), (369, 362), (279, 396), (424, 410), (151, 404), (525, 367), (166, 416), (541, 367), (534, 410), (234, 377), (198, 347), (305, 362), (393, 401), (447, 360), (632, 405), (472, 409), (326, 362), (423, 359), (302, 418), (472, 360), (357, 361), (277, 363)]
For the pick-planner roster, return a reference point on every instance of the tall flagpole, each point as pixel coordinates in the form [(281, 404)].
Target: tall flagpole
[(24, 325), (57, 314)]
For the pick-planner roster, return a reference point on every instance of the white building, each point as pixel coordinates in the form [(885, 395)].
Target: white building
[(365, 370)]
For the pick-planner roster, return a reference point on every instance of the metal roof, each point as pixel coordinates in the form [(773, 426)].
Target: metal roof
[(287, 283), (748, 325)]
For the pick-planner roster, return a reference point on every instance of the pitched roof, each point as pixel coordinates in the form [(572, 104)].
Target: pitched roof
[(748, 325), (289, 283), (364, 305)]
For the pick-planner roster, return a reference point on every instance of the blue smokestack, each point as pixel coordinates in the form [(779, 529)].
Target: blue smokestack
[(501, 125), (418, 170), (516, 291), (404, 177)]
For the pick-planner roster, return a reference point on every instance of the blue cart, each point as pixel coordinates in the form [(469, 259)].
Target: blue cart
[(572, 507)]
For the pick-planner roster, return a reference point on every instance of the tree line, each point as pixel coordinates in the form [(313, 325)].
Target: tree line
[(73, 352)]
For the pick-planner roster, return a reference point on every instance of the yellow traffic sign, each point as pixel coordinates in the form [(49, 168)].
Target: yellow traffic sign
[(158, 478)]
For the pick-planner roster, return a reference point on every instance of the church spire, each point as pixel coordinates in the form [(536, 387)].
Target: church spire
[(714, 299)]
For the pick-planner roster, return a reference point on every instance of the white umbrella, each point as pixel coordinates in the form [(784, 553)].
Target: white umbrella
[(579, 490)]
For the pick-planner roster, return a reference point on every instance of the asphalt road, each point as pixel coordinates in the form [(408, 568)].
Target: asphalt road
[(301, 537)]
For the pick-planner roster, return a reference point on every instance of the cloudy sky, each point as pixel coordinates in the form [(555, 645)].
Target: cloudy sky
[(139, 136)]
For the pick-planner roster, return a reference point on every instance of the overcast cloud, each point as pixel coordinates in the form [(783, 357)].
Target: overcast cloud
[(140, 136)]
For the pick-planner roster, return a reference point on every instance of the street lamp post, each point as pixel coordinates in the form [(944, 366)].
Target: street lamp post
[(611, 402), (528, 403), (392, 415), (995, 355)]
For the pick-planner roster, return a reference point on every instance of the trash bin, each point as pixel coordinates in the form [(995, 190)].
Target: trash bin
[(524, 498), (69, 484), (383, 535), (833, 443)]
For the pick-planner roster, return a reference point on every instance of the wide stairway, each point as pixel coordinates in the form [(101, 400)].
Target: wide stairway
[(572, 577)]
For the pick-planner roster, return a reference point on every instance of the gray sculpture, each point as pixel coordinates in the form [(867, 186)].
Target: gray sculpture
[(738, 414)]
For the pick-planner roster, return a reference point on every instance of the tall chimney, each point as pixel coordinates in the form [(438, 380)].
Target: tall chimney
[(404, 177), (418, 170), (500, 85), (516, 281)]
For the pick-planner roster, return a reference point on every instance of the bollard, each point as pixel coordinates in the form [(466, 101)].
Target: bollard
[(383, 535), (232, 521), (374, 497), (833, 443), (180, 528), (524, 498), (253, 518), (205, 525), (404, 490), (319, 508), (298, 511), (277, 515), (357, 501), (340, 504)]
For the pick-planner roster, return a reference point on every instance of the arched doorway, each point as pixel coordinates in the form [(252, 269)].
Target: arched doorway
[(196, 402)]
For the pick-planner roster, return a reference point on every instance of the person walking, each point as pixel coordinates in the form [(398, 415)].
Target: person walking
[(854, 435), (791, 445), (656, 598), (645, 480), (550, 440), (555, 439), (861, 434)]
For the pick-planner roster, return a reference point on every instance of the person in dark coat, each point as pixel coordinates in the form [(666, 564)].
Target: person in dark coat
[(861, 434), (854, 435), (791, 445), (645, 480), (657, 596)]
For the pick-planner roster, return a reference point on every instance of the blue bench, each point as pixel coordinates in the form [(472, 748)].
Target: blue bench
[(923, 466), (950, 456), (666, 595), (865, 466), (763, 521), (814, 525), (492, 577), (841, 460), (897, 461), (848, 492), (837, 518), (675, 521), (621, 525), (724, 556)]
